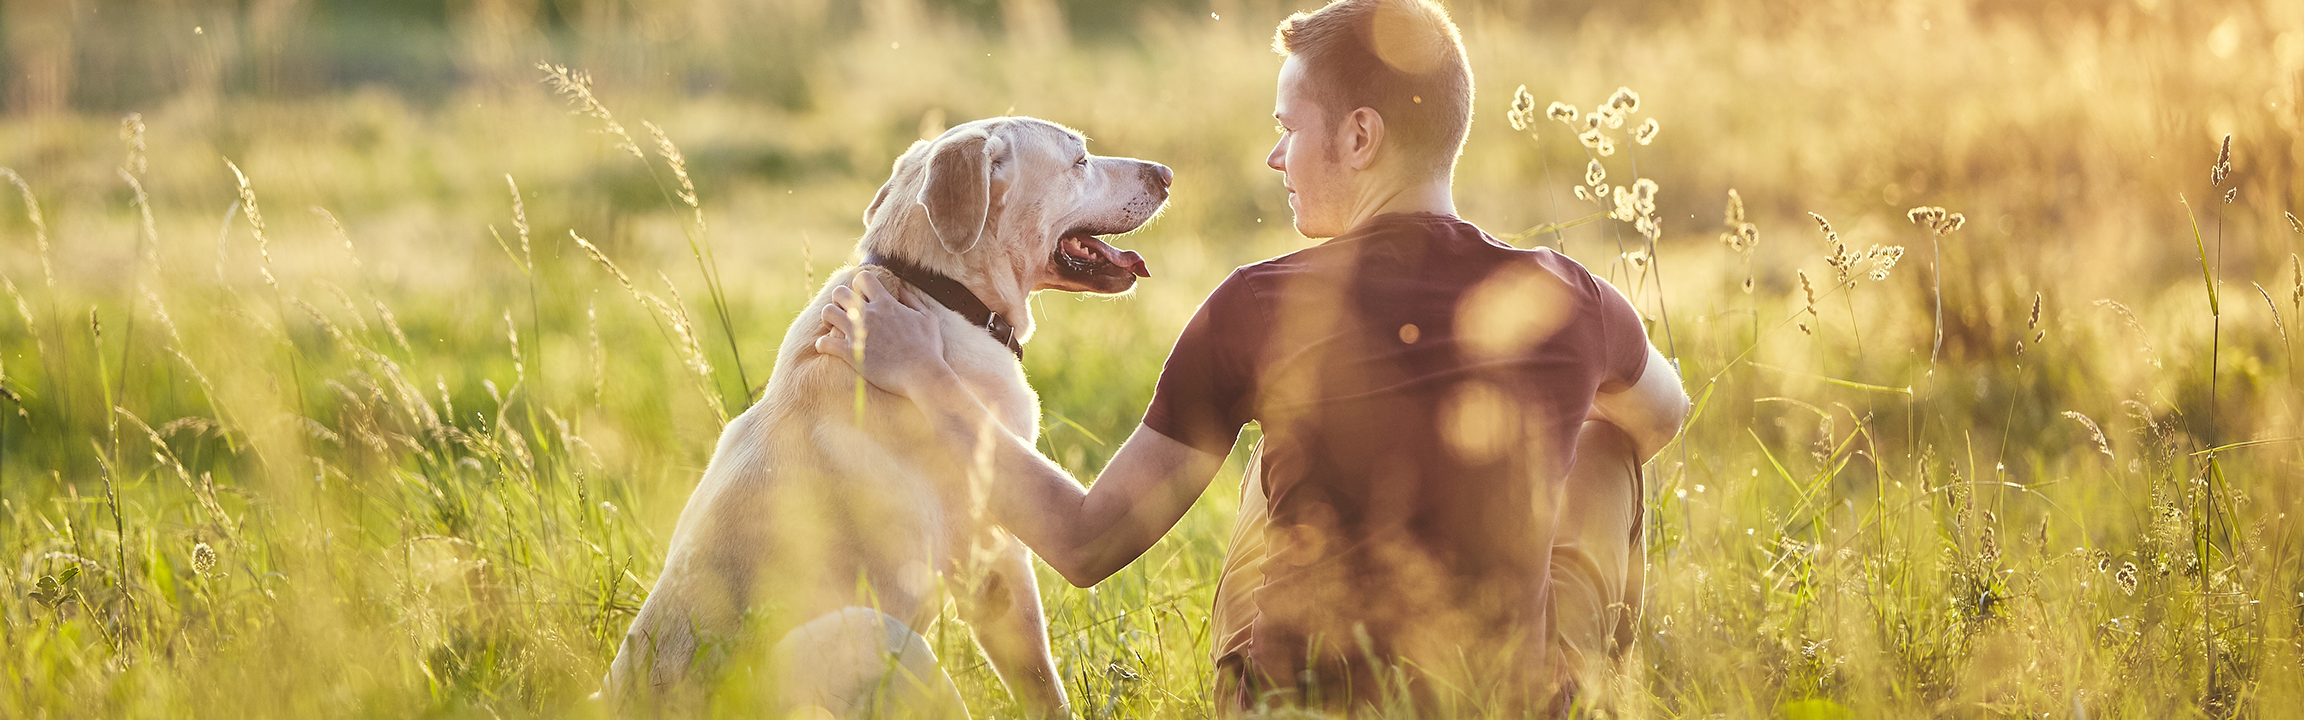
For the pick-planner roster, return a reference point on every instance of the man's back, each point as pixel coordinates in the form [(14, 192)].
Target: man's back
[(1420, 387)]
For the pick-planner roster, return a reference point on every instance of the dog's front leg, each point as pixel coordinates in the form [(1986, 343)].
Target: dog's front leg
[(1005, 611)]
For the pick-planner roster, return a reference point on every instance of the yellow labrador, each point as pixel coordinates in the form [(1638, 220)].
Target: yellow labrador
[(830, 517)]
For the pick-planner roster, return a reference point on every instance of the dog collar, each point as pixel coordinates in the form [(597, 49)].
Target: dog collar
[(953, 296)]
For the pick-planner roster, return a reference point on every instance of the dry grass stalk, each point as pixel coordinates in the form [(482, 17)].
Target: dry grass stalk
[(150, 240), (2095, 434), (679, 165), (39, 225), (520, 224), (577, 87), (255, 224), (132, 135)]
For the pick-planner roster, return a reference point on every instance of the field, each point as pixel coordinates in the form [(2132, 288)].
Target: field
[(322, 399)]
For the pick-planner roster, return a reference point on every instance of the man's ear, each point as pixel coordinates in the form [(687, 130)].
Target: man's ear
[(1363, 137), (958, 190)]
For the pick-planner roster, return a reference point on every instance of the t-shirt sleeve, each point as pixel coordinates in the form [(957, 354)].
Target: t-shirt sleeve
[(1204, 395), (1624, 339)]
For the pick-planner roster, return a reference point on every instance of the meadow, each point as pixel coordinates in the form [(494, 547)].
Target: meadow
[(375, 391)]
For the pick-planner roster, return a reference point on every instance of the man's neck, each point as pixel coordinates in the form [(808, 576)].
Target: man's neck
[(1429, 196)]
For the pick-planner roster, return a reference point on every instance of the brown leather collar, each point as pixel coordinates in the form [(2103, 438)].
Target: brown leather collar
[(953, 296)]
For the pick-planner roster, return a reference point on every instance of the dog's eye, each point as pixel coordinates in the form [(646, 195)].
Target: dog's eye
[(1082, 162)]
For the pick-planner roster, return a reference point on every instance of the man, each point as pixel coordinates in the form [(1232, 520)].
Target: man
[(1445, 508)]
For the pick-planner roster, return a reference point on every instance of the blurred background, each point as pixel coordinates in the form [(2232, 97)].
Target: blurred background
[(406, 447)]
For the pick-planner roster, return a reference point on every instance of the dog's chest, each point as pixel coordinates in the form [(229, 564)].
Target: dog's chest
[(994, 375)]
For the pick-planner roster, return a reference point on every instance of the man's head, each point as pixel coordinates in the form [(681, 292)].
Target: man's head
[(1374, 93)]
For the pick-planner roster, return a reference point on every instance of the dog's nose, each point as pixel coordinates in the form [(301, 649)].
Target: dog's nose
[(1163, 173)]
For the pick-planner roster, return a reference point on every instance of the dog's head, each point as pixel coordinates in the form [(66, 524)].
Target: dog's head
[(1013, 205)]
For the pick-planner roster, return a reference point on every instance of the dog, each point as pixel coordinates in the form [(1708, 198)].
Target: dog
[(830, 515)]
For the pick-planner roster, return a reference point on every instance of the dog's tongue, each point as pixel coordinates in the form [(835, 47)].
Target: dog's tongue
[(1123, 258)]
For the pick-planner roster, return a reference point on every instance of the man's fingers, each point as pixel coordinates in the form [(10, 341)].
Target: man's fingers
[(870, 286), (839, 318), (846, 297), (835, 344)]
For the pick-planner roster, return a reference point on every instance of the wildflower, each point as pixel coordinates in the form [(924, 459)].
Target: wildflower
[(1562, 112), (1623, 201), (2126, 578), (1646, 133), (203, 559), (1625, 100), (1590, 138), (1523, 108), (1606, 146), (1594, 174), (1594, 121)]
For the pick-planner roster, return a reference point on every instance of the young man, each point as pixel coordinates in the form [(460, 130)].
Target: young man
[(1445, 508)]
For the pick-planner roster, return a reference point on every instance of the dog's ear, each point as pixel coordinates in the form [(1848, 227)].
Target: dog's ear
[(895, 175), (958, 190)]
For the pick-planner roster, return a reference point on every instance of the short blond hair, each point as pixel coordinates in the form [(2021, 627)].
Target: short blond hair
[(1402, 58)]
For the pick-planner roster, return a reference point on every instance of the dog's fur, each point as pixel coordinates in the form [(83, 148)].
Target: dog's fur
[(822, 518)]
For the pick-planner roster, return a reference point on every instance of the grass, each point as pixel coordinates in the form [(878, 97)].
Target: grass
[(399, 424)]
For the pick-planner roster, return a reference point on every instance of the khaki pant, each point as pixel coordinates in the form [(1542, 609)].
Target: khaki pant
[(1598, 562)]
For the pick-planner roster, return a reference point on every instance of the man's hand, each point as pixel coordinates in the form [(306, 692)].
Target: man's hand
[(890, 338)]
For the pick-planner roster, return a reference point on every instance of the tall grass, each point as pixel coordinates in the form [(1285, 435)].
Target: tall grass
[(387, 459)]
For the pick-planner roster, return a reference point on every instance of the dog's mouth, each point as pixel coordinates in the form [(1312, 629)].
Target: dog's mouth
[(1089, 257)]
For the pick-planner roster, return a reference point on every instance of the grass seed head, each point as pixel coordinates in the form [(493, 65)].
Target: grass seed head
[(2223, 167), (1606, 146), (1883, 259), (577, 87), (1624, 100), (1594, 174), (2293, 224), (2126, 578), (1583, 193), (2095, 433), (203, 559), (132, 135), (1523, 108), (1646, 133), (1563, 112)]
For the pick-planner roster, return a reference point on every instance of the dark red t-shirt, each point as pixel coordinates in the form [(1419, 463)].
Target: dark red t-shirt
[(1420, 386)]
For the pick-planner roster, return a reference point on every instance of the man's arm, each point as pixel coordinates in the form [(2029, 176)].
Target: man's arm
[(1651, 410), (1085, 533)]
